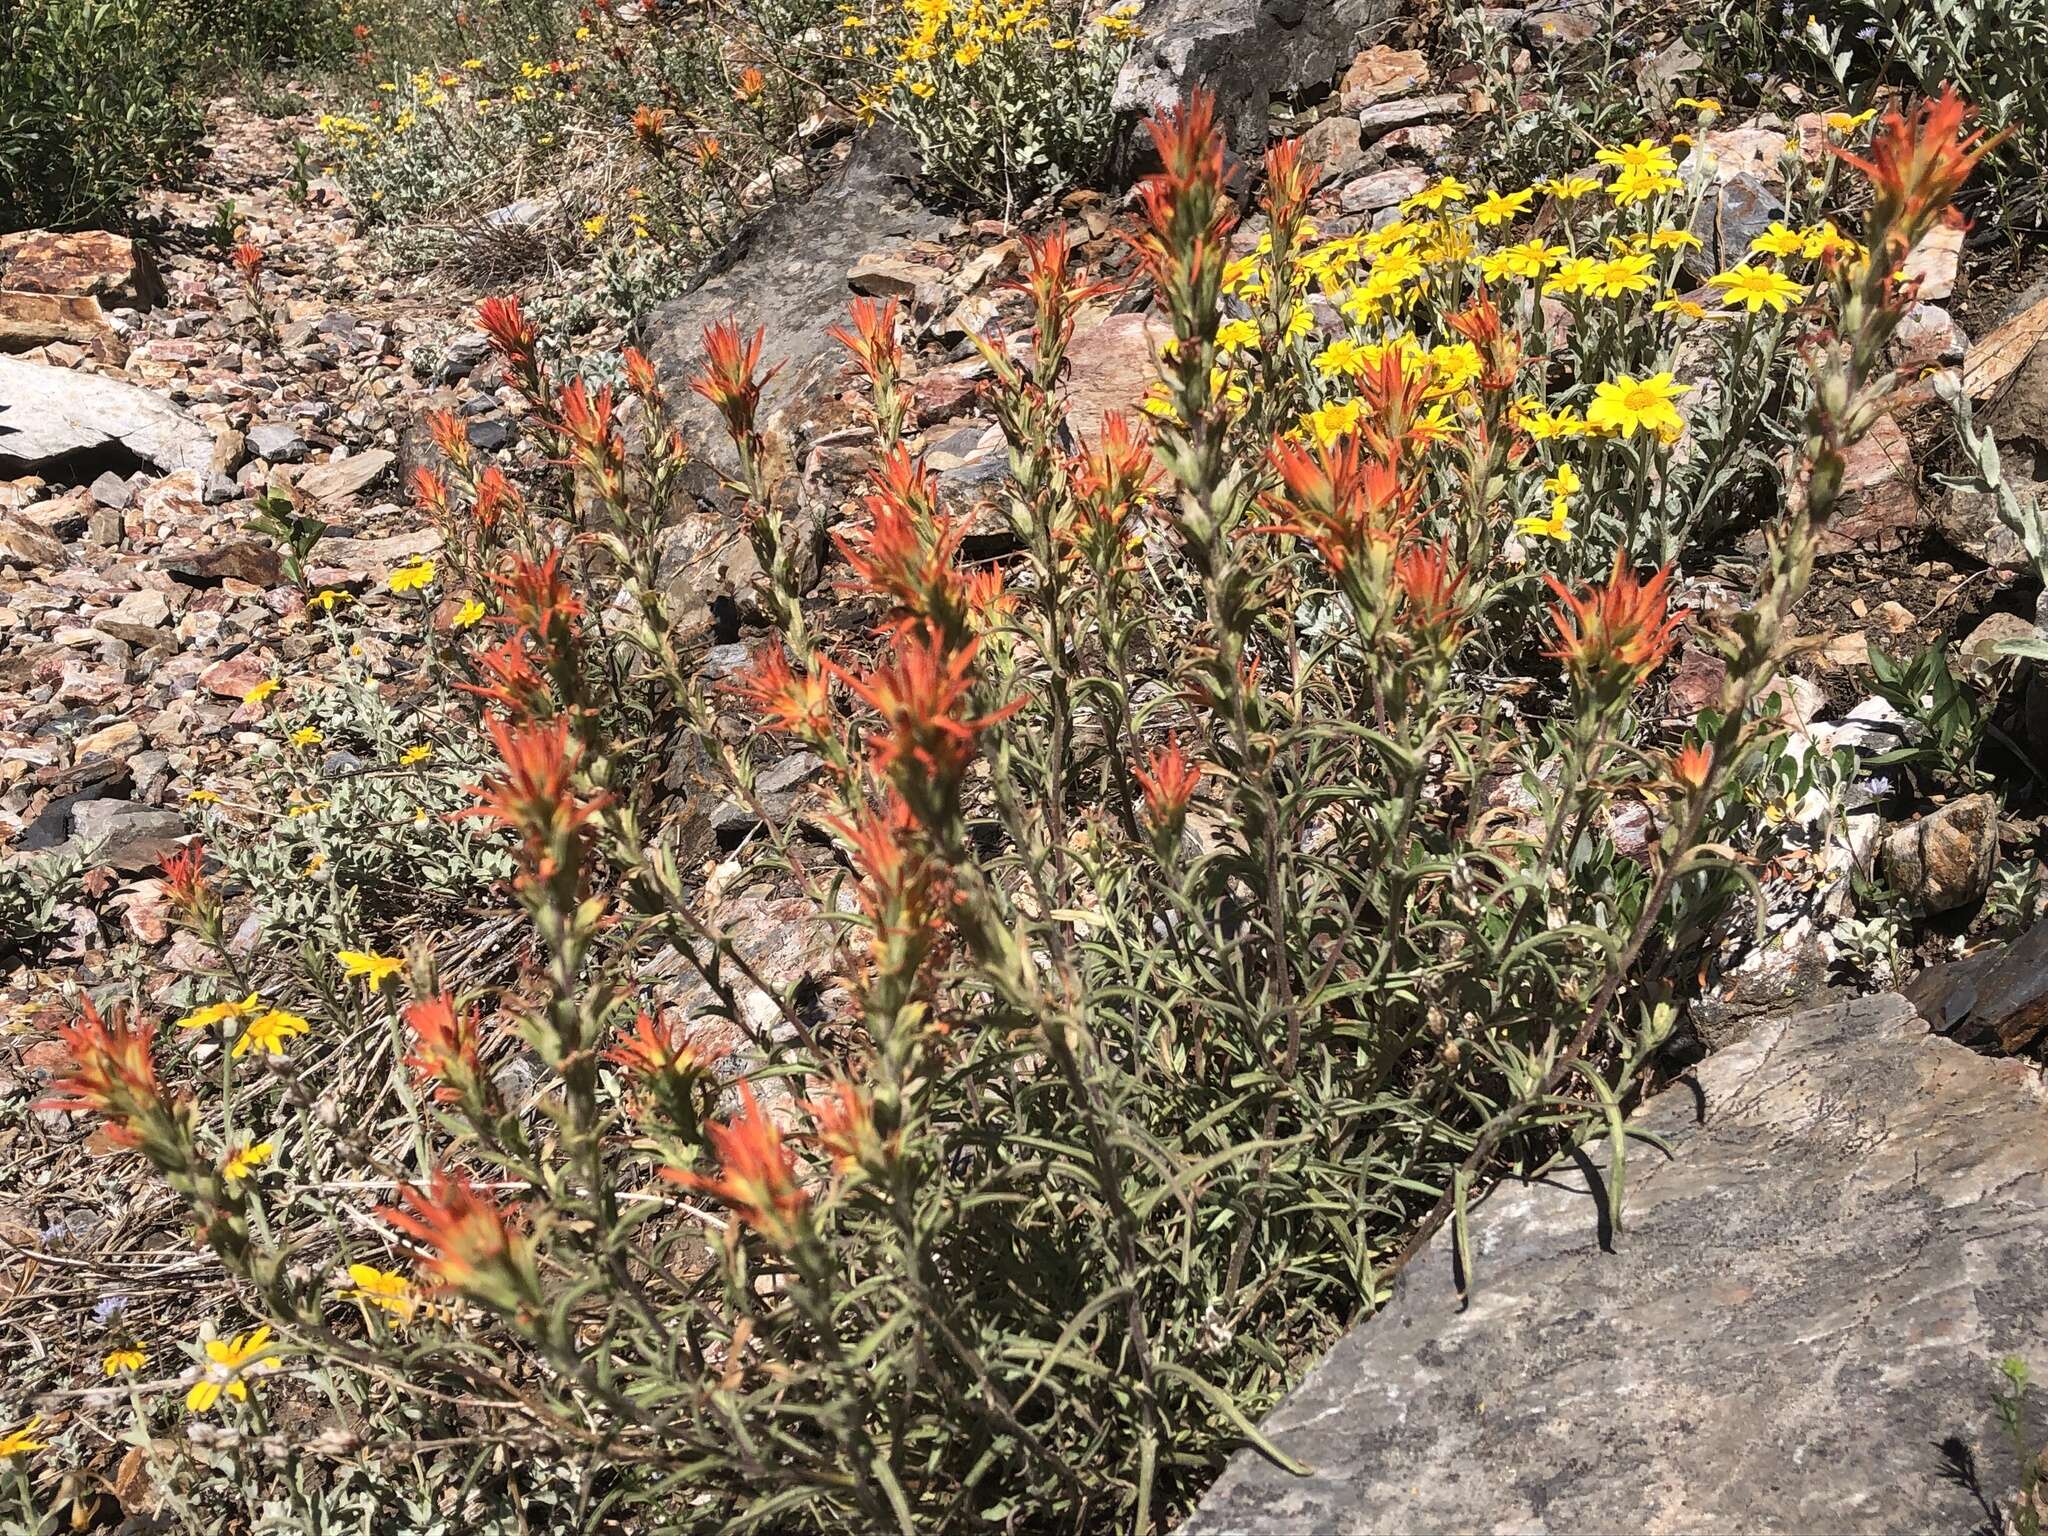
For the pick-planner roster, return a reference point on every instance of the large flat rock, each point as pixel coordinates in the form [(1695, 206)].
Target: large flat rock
[(1796, 1330), (58, 421)]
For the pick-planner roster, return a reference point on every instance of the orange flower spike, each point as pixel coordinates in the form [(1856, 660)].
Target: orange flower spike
[(799, 706), (1168, 784), (641, 378), (757, 1175), (184, 877), (248, 261), (535, 795), (1187, 219), (752, 83), (515, 337), (449, 435), (1690, 768), (495, 496), (1056, 299), (1395, 392), (650, 128), (1432, 594), (590, 425), (731, 379), (845, 1119), (513, 683), (652, 1047), (1614, 637), (872, 340), (920, 693), (1352, 507), (447, 1046), (1120, 469), (1918, 164), (1290, 179), (1500, 353), (898, 884), (112, 1073), (431, 492), (472, 1244), (538, 602)]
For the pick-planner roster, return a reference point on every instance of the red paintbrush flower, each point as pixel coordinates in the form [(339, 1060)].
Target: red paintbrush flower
[(731, 380), (184, 876), (1431, 591), (1184, 244), (1689, 769), (1290, 180), (446, 1046), (112, 1073), (450, 436), (515, 337), (473, 1244), (650, 128), (495, 496), (796, 705), (248, 261), (921, 693), (1918, 164), (512, 682), (845, 1121), (1168, 784), (538, 601), (641, 377), (1614, 637), (431, 492), (1353, 507), (872, 340), (757, 1175), (535, 795)]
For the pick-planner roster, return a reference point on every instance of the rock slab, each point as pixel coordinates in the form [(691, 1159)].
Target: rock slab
[(1796, 1331), (49, 416)]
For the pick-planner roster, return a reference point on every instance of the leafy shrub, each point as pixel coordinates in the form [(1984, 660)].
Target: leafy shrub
[(1005, 102), (1993, 52), (94, 103), (1200, 959), (32, 887)]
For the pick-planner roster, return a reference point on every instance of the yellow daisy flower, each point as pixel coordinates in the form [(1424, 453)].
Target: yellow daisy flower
[(1502, 207), (410, 578), (261, 691), (19, 1442), (1569, 189), (1625, 406), (373, 968), (267, 1033), (306, 736), (411, 755), (1643, 155), (1755, 287), (1237, 335), (1779, 240), (469, 613), (383, 1289), (1446, 189), (1557, 525), (219, 1013), (245, 1160), (131, 1360), (228, 1363)]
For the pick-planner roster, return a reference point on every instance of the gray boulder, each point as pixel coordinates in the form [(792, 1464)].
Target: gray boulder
[(56, 420), (1796, 1331), (788, 271), (1248, 52)]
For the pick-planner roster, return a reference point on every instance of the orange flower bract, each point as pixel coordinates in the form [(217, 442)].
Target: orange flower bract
[(757, 1174), (1616, 635)]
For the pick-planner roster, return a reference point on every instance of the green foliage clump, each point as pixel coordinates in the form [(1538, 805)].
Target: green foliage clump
[(95, 102)]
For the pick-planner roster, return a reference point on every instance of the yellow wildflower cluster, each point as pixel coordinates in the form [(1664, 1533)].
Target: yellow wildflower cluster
[(1612, 257)]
